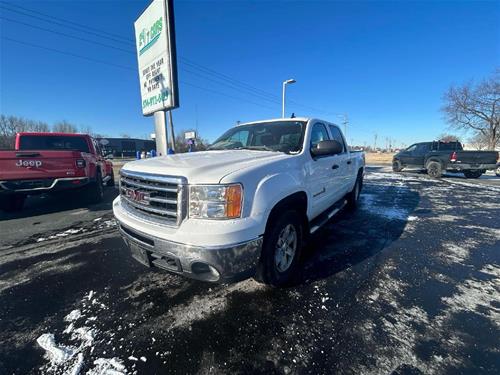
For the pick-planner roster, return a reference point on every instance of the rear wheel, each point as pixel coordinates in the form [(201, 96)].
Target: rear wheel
[(353, 196), (95, 190), (12, 202), (472, 174), (281, 249), (397, 166), (434, 169)]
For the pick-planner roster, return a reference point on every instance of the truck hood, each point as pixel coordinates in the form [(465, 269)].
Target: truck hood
[(205, 167)]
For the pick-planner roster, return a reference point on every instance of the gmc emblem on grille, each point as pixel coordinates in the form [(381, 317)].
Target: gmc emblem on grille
[(29, 163), (137, 196)]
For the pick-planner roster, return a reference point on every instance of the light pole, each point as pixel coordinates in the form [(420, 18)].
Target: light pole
[(287, 82)]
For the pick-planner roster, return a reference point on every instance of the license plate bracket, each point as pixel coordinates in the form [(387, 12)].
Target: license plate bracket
[(139, 253)]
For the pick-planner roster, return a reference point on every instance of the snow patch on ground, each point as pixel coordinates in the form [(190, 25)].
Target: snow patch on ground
[(70, 360), (56, 353)]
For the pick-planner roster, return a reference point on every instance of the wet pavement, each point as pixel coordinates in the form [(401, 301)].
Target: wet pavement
[(408, 284)]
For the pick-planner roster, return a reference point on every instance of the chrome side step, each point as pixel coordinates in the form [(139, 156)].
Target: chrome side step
[(327, 216)]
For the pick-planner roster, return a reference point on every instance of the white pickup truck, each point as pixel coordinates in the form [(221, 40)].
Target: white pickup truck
[(243, 208)]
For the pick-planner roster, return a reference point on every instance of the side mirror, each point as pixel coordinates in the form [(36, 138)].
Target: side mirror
[(329, 147)]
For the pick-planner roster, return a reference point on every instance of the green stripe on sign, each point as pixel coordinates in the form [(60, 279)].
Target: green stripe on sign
[(151, 42)]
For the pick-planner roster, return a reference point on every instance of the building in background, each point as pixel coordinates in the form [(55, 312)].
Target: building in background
[(127, 147)]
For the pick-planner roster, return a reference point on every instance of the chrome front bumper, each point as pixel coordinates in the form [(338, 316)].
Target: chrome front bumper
[(215, 264)]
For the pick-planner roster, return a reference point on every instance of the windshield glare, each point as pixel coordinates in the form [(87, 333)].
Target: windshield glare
[(283, 136)]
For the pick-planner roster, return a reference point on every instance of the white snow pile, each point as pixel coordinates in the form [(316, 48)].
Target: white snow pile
[(57, 354), (108, 366), (70, 359)]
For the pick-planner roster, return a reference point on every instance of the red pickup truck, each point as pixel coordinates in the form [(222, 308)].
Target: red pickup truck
[(50, 163)]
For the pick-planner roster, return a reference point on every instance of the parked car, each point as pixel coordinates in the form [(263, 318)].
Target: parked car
[(51, 163), (438, 157), (242, 208)]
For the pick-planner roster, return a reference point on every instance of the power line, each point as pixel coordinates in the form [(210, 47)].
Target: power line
[(108, 46), (114, 37), (127, 68), (66, 35), (85, 27), (68, 53), (63, 25)]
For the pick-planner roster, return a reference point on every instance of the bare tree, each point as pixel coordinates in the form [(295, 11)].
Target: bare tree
[(64, 127), (445, 137), (476, 107), (10, 125)]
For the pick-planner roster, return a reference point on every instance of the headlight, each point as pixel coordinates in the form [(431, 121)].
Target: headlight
[(215, 201)]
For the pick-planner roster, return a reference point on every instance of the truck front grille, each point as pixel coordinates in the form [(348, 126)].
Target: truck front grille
[(154, 196)]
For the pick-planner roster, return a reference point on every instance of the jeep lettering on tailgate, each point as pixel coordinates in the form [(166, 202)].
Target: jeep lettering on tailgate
[(29, 163)]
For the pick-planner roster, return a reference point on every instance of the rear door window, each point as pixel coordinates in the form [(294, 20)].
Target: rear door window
[(337, 136)]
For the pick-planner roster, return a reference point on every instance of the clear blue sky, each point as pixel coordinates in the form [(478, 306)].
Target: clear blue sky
[(385, 64)]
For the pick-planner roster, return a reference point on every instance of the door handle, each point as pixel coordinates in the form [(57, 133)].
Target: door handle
[(348, 162), (335, 166)]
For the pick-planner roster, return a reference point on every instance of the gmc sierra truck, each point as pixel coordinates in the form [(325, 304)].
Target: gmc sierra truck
[(51, 163), (244, 207), (438, 157)]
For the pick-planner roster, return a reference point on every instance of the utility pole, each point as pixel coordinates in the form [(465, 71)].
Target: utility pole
[(375, 143), (287, 82)]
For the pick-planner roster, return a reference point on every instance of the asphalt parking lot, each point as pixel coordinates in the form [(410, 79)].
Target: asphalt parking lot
[(408, 284)]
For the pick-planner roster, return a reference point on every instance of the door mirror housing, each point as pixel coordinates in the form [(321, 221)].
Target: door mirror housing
[(329, 147)]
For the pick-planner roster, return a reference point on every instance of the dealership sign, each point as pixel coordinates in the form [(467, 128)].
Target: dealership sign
[(155, 45)]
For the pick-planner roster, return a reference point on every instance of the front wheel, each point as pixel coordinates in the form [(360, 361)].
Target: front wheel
[(111, 181), (397, 166), (281, 249), (95, 190), (472, 174)]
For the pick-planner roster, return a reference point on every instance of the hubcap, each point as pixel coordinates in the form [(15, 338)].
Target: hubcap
[(286, 246)]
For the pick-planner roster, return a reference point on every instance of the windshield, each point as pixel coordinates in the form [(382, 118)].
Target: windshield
[(283, 136), (53, 142)]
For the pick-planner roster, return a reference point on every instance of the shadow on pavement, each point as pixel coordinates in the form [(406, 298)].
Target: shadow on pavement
[(46, 204), (353, 237)]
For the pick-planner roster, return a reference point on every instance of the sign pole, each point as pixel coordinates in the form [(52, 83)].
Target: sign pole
[(172, 134), (161, 136)]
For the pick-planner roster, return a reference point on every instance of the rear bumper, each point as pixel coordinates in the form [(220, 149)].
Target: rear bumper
[(467, 166), (42, 185), (229, 263)]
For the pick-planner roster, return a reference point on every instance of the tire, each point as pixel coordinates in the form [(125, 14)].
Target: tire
[(278, 267), (95, 190), (497, 171), (353, 196), (12, 202), (111, 181), (473, 174), (397, 166), (434, 169)]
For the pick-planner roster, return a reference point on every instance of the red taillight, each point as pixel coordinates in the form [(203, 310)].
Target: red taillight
[(453, 156), (80, 163)]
